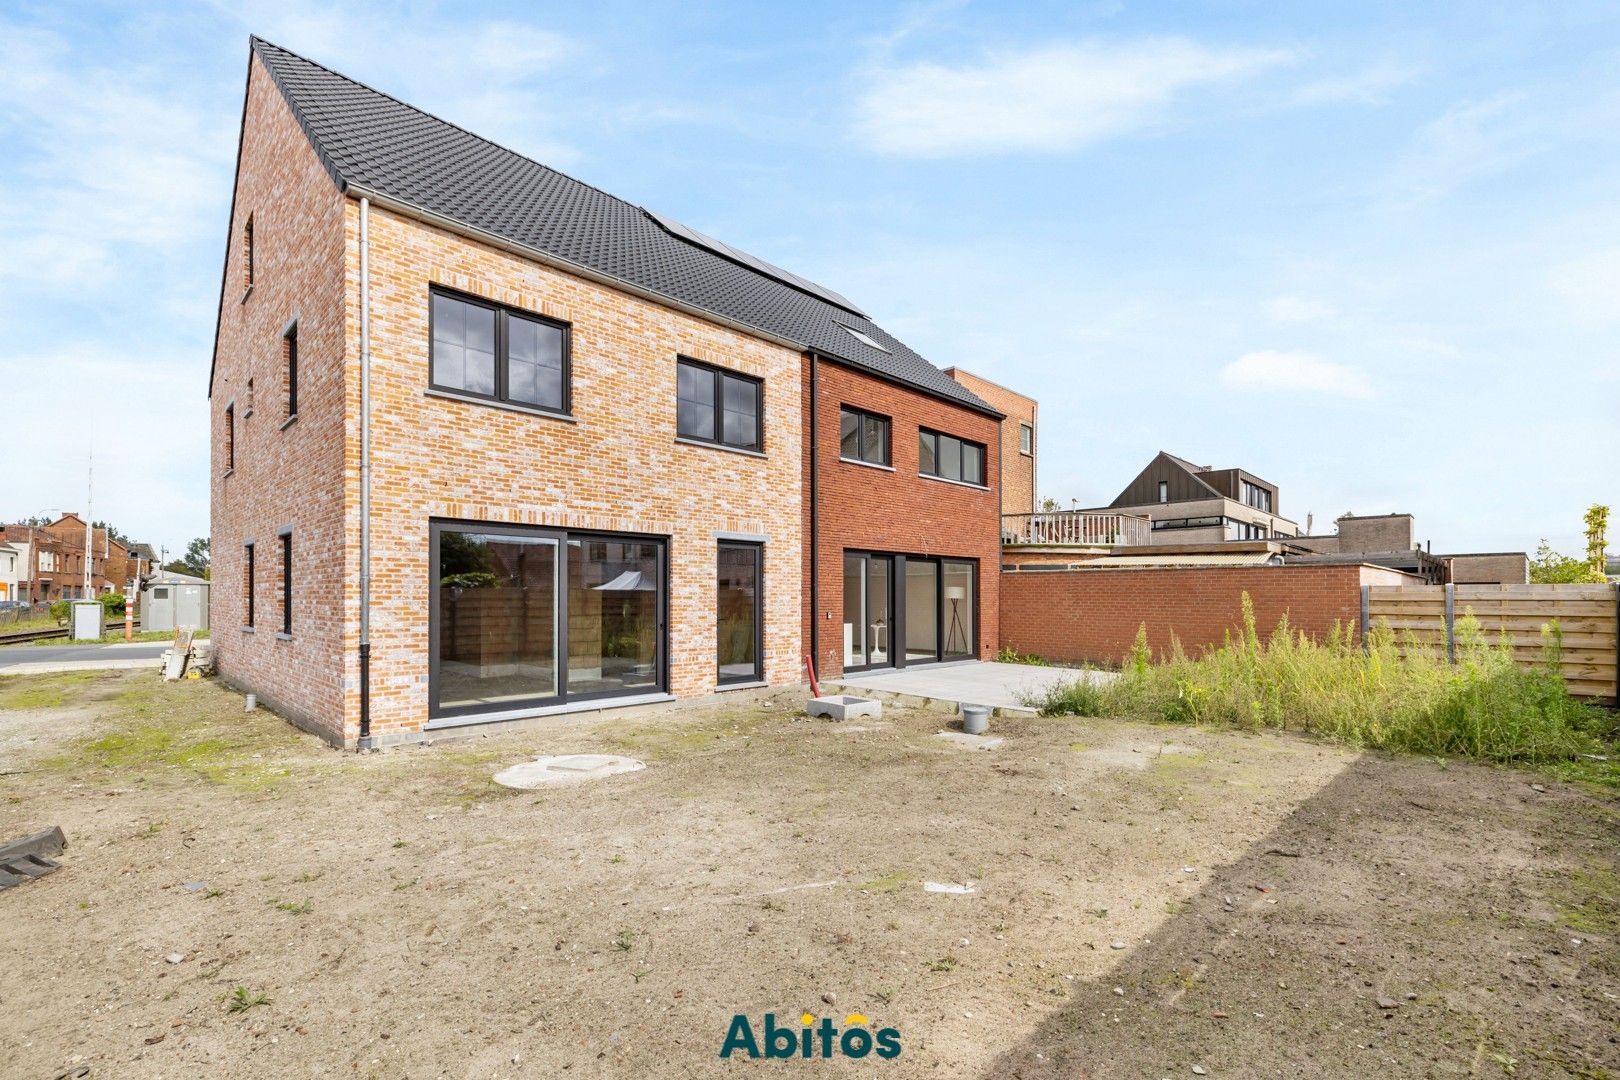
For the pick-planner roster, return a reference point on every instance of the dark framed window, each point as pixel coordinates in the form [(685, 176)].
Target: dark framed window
[(950, 458), (286, 583), (1256, 496), (863, 436), (1026, 439), (247, 584), (522, 616), (717, 406), (289, 369), (230, 436), (1164, 491), (739, 615), (485, 350)]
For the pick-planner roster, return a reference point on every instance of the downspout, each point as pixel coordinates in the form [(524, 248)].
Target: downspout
[(815, 531), (365, 476)]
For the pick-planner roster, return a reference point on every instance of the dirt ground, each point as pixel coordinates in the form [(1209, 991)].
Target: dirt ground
[(1148, 901)]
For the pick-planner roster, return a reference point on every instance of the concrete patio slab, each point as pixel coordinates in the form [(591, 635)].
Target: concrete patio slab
[(1003, 687)]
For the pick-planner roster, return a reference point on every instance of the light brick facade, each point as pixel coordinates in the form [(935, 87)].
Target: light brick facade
[(614, 466)]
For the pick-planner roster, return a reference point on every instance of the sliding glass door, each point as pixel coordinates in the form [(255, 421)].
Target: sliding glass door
[(868, 599), (924, 613), (523, 616)]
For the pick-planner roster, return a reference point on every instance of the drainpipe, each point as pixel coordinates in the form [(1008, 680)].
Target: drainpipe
[(365, 477), (815, 532)]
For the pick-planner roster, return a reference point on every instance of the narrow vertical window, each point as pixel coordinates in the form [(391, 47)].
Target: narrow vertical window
[(247, 584), (289, 369), (740, 649), (230, 437), (247, 254), (286, 583), (1164, 491), (247, 412), (1026, 439)]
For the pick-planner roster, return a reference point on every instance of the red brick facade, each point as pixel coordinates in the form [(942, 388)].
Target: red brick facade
[(863, 508), (1017, 467), (1092, 616)]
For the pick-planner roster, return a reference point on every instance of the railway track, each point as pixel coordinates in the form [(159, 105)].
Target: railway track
[(23, 637)]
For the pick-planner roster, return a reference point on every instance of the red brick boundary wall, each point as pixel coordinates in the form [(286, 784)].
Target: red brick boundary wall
[(1092, 615)]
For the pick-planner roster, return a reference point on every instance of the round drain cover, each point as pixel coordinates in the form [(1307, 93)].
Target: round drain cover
[(563, 768)]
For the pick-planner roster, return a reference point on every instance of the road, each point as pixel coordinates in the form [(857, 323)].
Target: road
[(30, 659)]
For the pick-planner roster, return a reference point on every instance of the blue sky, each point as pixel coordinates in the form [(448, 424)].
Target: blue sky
[(1368, 251)]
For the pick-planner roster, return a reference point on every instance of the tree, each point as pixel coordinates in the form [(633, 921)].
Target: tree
[(113, 532), (193, 562), (1597, 540), (1550, 567)]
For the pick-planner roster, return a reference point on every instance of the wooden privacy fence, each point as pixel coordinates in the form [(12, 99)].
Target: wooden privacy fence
[(1588, 617)]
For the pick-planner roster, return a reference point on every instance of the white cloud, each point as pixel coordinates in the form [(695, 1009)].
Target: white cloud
[(1296, 309), (1370, 86), (1052, 98), (1271, 369)]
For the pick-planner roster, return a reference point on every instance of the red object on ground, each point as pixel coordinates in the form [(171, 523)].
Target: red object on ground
[(810, 668)]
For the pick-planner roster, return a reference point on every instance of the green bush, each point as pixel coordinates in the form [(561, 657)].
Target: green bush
[(112, 604), (59, 611), (1394, 695)]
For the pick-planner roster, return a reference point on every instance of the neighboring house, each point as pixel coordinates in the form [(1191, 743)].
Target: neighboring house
[(599, 452), (1391, 540), (1019, 440), (52, 560), (1189, 503), (10, 558)]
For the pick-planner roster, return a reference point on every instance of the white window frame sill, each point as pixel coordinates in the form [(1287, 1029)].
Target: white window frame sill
[(864, 464), (283, 637), (470, 399), (287, 423), (249, 630), (703, 444), (954, 483)]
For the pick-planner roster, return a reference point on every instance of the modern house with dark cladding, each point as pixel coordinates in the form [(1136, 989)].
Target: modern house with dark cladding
[(490, 444), (1190, 503)]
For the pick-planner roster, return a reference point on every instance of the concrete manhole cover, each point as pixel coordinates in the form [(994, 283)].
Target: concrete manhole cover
[(562, 768)]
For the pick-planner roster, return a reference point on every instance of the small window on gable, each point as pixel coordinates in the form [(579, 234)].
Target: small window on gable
[(247, 254), (1164, 491), (289, 369), (1026, 439)]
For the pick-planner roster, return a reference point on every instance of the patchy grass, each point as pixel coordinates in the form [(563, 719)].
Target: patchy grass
[(113, 637), (1588, 900), (1394, 695), (41, 691)]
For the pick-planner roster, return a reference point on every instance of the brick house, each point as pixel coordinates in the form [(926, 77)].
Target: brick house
[(490, 444), (1019, 439), (52, 558)]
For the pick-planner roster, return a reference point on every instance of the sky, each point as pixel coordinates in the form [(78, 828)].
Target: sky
[(1367, 251)]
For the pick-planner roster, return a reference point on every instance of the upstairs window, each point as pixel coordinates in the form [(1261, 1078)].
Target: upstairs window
[(489, 351), (230, 437), (950, 458), (1164, 491), (289, 369), (247, 254), (863, 436), (716, 406), (1256, 496), (286, 584), (1026, 440)]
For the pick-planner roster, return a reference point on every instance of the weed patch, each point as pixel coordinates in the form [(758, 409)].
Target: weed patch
[(1395, 694)]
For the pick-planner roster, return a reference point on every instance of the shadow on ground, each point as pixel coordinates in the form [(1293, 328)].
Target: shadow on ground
[(1364, 937)]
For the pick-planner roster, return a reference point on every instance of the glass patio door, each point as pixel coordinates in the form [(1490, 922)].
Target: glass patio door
[(868, 595)]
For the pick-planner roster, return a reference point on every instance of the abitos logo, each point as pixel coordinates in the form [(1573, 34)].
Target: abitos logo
[(810, 1039)]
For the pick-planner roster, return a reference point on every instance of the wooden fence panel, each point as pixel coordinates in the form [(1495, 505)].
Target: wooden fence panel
[(1588, 617)]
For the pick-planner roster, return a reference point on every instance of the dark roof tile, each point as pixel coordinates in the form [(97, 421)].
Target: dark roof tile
[(378, 143)]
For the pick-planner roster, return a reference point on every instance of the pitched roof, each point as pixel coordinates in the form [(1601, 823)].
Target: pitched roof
[(374, 143)]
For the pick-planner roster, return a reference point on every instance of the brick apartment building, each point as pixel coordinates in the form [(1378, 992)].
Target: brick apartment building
[(491, 444), (51, 559), (1019, 440)]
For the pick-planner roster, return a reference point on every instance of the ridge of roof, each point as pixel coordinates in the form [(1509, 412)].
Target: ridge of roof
[(372, 141)]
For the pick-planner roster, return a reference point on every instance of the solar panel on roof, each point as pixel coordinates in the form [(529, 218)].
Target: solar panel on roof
[(725, 250)]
